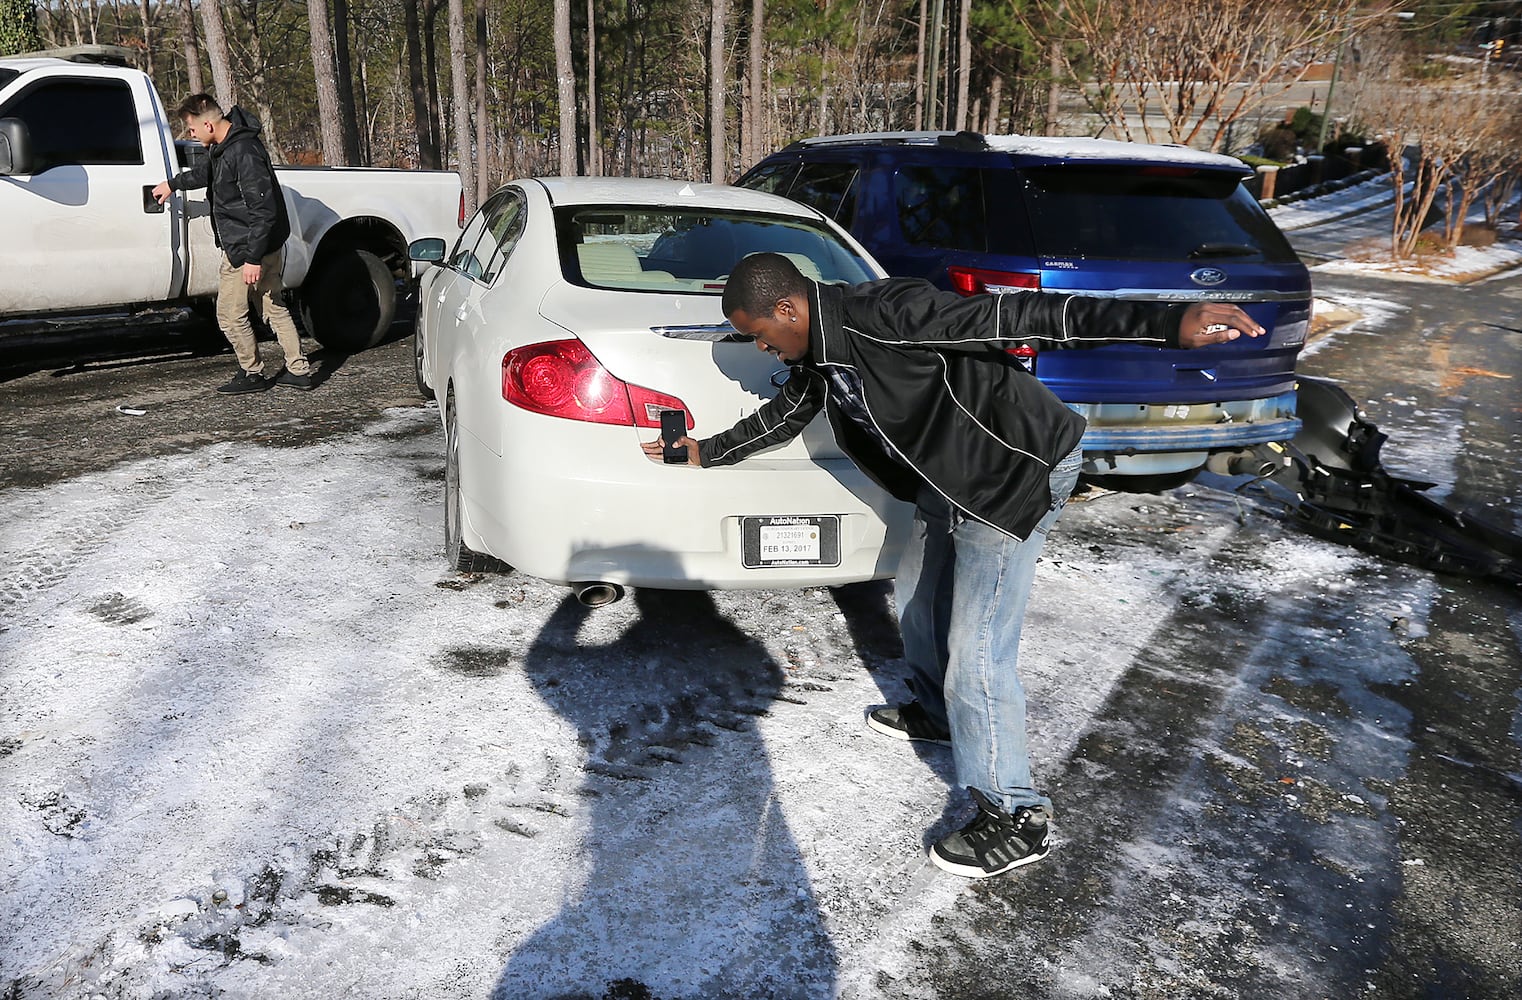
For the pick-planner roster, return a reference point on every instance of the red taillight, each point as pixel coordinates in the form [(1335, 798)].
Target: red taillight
[(461, 221), (974, 280), (1026, 355), (563, 379)]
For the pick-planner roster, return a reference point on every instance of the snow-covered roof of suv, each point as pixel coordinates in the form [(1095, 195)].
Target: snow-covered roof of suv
[(1044, 147)]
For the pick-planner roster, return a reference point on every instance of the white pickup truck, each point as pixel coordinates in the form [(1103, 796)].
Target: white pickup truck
[(82, 145)]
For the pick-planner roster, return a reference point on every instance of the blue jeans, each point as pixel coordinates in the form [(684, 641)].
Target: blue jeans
[(962, 589)]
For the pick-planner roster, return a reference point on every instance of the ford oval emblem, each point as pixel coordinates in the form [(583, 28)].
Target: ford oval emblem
[(1208, 276)]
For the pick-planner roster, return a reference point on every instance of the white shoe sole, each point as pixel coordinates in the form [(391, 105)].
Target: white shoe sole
[(976, 871)]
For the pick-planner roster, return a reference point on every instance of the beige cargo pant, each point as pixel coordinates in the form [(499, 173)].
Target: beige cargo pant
[(233, 301)]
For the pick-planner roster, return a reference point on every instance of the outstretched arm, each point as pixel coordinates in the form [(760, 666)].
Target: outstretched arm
[(1214, 323)]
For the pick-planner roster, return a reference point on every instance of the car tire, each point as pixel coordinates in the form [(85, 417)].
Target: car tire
[(349, 300), (423, 388), (459, 555)]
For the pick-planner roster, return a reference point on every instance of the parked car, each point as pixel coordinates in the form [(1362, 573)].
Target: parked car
[(83, 141), (567, 316), (1007, 214)]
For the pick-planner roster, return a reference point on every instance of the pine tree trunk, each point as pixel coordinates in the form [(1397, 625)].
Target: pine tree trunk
[(483, 159), (754, 128), (594, 138), (565, 88), (964, 63), (349, 116), (718, 84), (422, 109), (329, 116), (459, 75), (187, 17), (217, 53)]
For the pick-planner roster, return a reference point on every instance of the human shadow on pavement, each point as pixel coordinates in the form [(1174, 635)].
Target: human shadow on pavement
[(690, 883), (871, 616)]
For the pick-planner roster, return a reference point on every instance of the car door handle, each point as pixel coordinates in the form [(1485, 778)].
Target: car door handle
[(151, 204), (459, 314), (1207, 373)]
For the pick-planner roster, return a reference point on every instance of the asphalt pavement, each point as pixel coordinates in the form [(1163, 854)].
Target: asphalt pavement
[(1305, 781)]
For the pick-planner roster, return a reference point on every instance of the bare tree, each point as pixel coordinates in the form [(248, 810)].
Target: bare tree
[(1199, 68), (329, 115), (459, 75)]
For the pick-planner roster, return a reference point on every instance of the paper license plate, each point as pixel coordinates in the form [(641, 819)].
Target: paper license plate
[(790, 541)]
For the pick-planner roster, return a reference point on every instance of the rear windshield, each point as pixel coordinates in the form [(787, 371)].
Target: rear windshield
[(1147, 213), (675, 250)]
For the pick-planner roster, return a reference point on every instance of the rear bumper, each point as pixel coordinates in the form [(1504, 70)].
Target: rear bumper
[(1131, 439), (1135, 427), (636, 523)]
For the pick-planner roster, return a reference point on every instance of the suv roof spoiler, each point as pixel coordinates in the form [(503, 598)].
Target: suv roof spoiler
[(103, 55), (965, 140)]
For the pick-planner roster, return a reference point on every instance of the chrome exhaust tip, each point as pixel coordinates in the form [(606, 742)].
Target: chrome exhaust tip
[(597, 594), (1258, 461)]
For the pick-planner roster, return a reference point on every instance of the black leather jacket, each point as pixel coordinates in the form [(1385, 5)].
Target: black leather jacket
[(248, 213), (939, 384)]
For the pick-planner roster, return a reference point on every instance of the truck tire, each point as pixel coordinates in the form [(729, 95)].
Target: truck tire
[(349, 301)]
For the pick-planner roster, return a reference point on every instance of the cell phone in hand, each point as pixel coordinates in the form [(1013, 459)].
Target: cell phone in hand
[(673, 429)]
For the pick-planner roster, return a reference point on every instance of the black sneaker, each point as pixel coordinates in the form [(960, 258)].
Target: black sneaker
[(292, 380), (907, 722), (245, 382), (995, 842)]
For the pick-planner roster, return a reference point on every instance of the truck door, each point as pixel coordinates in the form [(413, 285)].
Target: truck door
[(81, 230)]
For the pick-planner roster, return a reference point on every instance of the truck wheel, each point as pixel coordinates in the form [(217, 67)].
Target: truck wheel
[(459, 555), (348, 303)]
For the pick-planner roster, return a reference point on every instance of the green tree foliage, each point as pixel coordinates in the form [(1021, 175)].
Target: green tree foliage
[(18, 27)]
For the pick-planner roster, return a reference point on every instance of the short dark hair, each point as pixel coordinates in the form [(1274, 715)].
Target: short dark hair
[(200, 106), (759, 282)]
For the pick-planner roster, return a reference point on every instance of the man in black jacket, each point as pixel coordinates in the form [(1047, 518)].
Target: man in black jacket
[(922, 394), (248, 219)]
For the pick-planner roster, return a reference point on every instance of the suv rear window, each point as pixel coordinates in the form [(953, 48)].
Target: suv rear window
[(960, 208), (1147, 213)]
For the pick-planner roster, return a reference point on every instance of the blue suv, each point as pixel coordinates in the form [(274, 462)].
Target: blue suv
[(977, 214)]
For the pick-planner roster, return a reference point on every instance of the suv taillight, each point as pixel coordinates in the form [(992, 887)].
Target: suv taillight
[(461, 220), (975, 280), (562, 379)]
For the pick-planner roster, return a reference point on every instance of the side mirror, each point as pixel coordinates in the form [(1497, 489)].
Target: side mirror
[(15, 147), (430, 250)]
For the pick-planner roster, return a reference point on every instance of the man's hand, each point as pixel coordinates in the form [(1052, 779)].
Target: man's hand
[(251, 273), (1214, 323), (655, 450), (161, 193)]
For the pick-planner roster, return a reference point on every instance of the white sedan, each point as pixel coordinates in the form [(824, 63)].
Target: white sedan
[(570, 313)]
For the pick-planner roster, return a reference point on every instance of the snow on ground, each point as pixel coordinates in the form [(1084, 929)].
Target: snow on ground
[(1464, 263), (258, 743), (1351, 313), (1367, 196)]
